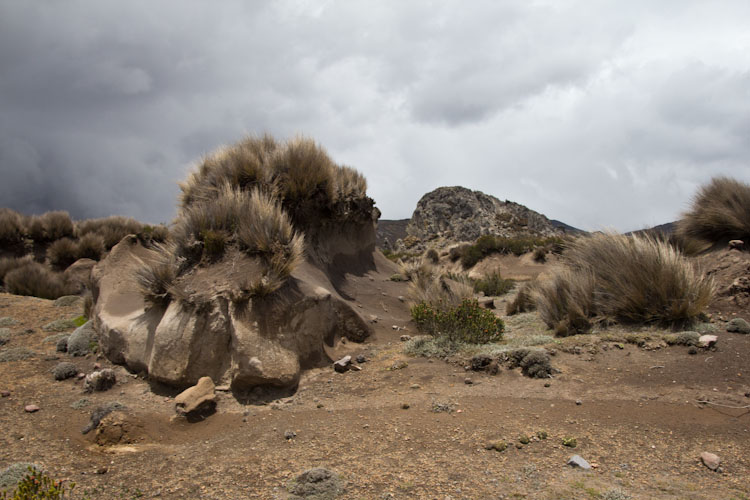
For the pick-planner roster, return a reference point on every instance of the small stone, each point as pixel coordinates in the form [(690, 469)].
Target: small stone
[(81, 376), (289, 435), (580, 462), (101, 380), (738, 325), (31, 408), (373, 318), (402, 298), (5, 394), (405, 338), (222, 388), (405, 406), (541, 435), (524, 440), (197, 402), (97, 366), (468, 381), (692, 350), (547, 384), (579, 402), (736, 244), (361, 359), (62, 344), (747, 394), (395, 327), (415, 386), (101, 470), (67, 300), (343, 364), (710, 460), (398, 365), (707, 340)]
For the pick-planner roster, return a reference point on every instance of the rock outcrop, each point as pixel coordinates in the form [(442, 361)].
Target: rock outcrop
[(460, 214)]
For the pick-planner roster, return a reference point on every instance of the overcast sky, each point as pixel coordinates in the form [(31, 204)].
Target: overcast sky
[(599, 114)]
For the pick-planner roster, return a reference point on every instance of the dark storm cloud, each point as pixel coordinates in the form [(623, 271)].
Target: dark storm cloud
[(599, 114)]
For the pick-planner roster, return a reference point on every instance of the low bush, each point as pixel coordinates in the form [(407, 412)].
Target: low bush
[(720, 212), (62, 253), (8, 264), (629, 279), (540, 255), (57, 225), (112, 229), (37, 485), (457, 252), (90, 246), (37, 280), (466, 323), (493, 285), (432, 256), (488, 244)]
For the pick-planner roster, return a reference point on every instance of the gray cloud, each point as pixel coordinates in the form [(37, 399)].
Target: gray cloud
[(605, 114)]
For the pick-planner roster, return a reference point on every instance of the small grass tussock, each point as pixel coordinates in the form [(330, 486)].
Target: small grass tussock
[(432, 256), (628, 279), (62, 253), (493, 285), (156, 277), (489, 244), (720, 212), (37, 280), (523, 301), (12, 229)]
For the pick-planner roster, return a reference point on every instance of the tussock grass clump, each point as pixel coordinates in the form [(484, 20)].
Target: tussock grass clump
[(523, 301), (629, 279), (37, 280), (90, 246), (11, 227), (156, 278), (493, 285), (62, 253), (720, 212), (112, 229), (8, 264), (56, 225)]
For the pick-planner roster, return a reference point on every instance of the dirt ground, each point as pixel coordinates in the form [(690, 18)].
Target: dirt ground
[(639, 420)]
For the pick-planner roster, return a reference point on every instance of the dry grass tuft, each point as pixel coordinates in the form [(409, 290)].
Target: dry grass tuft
[(57, 225), (629, 279), (156, 278), (90, 246), (11, 226), (523, 301), (62, 253), (37, 280), (720, 212), (428, 287)]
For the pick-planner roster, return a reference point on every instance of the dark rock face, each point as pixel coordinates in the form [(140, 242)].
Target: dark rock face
[(460, 214)]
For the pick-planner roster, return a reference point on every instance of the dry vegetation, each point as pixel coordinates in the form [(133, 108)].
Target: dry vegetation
[(628, 279), (720, 212)]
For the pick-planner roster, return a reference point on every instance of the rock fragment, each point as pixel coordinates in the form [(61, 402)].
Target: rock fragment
[(710, 460), (31, 408), (98, 381), (579, 461), (707, 340), (197, 402), (343, 364)]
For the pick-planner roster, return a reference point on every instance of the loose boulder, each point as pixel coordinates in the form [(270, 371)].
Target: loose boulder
[(198, 401)]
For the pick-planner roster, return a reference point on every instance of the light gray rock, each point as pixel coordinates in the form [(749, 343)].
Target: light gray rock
[(707, 340), (343, 364), (580, 462), (736, 244), (67, 300), (79, 342), (710, 460), (738, 325)]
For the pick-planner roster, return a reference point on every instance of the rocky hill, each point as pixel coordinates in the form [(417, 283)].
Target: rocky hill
[(456, 214)]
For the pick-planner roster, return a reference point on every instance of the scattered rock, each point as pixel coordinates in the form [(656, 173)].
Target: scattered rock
[(710, 460), (499, 445), (542, 435), (98, 414), (361, 358), (401, 298), (692, 350), (59, 325), (64, 370), (373, 318), (738, 325), (319, 483), (79, 342), (468, 381), (580, 462), (5, 394), (31, 408), (343, 364), (67, 300), (480, 362), (395, 327), (707, 340), (736, 244), (405, 406), (197, 402), (101, 470), (289, 435), (12, 475), (579, 402), (101, 380), (405, 338)]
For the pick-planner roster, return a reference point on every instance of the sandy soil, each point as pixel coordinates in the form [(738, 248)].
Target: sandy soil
[(639, 420)]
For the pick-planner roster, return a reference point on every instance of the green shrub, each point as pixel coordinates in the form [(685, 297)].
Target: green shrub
[(629, 279), (457, 252), (37, 280), (720, 212), (493, 285), (36, 485), (62, 253), (488, 244), (467, 322)]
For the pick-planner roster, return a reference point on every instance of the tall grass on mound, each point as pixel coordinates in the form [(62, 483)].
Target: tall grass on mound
[(523, 301), (493, 284), (37, 280), (298, 172), (12, 229), (489, 244), (629, 279), (720, 212)]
